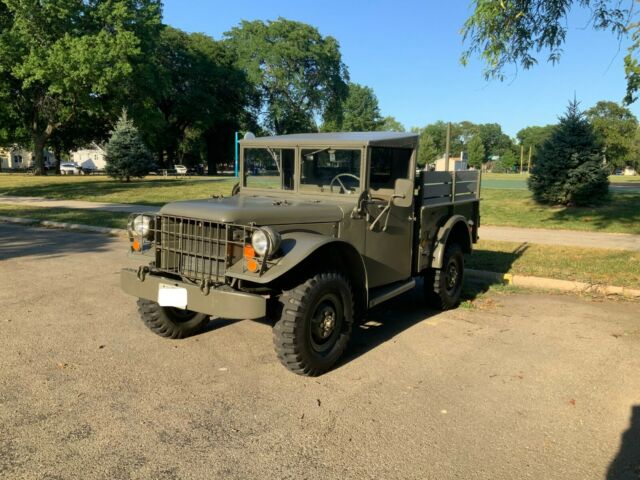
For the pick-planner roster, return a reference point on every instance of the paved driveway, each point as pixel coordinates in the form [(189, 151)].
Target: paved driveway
[(522, 386)]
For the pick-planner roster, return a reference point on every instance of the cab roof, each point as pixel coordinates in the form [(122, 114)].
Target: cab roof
[(336, 139)]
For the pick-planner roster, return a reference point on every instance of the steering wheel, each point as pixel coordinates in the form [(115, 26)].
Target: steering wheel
[(342, 185)]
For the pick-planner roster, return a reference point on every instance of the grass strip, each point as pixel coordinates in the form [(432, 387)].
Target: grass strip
[(609, 267)]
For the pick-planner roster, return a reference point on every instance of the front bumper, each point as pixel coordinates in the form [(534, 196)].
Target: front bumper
[(220, 302)]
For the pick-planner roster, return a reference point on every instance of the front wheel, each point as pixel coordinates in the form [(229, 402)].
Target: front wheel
[(443, 286), (171, 322), (314, 324)]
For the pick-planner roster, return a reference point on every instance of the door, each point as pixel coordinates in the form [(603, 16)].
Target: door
[(389, 228)]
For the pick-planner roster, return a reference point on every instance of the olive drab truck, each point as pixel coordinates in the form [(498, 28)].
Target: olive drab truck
[(320, 228)]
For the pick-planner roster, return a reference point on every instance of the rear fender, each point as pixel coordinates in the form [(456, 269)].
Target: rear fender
[(456, 230)]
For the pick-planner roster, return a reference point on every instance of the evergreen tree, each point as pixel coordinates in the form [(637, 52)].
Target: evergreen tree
[(567, 168), (126, 155)]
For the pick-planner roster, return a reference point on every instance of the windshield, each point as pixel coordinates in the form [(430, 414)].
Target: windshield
[(271, 168), (330, 170)]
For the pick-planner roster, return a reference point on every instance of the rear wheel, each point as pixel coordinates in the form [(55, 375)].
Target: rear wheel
[(314, 324), (171, 322), (443, 286)]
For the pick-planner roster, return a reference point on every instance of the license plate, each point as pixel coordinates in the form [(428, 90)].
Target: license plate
[(172, 296)]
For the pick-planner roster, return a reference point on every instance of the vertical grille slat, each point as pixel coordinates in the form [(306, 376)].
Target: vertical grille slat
[(195, 249)]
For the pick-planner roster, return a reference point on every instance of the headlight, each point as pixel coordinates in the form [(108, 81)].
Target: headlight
[(265, 241), (141, 225)]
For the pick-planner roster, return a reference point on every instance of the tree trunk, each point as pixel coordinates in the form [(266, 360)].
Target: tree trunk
[(58, 154), (39, 140)]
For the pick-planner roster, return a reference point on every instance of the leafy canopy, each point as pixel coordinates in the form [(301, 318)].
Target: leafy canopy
[(360, 110), (59, 57), (615, 128), (514, 32), (298, 74), (476, 152)]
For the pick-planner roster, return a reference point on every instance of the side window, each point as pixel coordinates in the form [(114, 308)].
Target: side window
[(387, 165)]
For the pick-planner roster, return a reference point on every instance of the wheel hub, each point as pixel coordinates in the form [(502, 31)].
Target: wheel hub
[(326, 323), (452, 276)]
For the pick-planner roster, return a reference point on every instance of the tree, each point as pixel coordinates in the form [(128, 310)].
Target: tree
[(615, 128), (390, 124), (514, 32), (533, 137), (506, 163), (476, 152), (126, 154), (428, 151), (360, 110), (567, 169), (298, 74), (193, 86), (495, 142), (60, 58)]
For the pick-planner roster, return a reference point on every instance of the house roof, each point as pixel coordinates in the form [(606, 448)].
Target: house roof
[(336, 139)]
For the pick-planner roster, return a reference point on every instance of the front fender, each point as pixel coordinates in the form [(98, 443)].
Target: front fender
[(443, 238), (296, 247)]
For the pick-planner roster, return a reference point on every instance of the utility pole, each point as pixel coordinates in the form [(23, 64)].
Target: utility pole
[(529, 164), (235, 166), (521, 158), (447, 149)]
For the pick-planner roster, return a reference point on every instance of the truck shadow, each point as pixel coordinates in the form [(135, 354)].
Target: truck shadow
[(495, 261), (383, 323), (626, 464)]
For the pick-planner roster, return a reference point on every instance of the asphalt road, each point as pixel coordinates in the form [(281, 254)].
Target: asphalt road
[(523, 385)]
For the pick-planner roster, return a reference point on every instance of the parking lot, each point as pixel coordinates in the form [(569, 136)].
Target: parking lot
[(521, 385)]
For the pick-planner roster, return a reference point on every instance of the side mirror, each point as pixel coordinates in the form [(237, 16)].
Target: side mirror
[(403, 193)]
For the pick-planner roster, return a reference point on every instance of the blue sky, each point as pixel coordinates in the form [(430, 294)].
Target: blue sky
[(408, 52)]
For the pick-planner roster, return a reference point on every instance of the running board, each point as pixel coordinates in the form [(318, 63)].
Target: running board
[(390, 291)]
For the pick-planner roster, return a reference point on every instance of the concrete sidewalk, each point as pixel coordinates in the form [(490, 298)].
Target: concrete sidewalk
[(79, 204), (615, 241)]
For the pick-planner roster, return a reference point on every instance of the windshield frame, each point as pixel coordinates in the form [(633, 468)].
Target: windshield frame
[(298, 172)]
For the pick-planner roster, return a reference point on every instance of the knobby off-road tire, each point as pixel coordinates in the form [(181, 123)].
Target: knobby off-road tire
[(171, 322), (314, 324), (443, 286)]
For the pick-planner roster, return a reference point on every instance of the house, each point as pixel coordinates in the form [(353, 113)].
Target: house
[(90, 158), (455, 163), (629, 171), (17, 158)]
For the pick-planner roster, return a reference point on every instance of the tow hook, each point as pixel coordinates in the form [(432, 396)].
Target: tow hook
[(142, 272), (205, 288)]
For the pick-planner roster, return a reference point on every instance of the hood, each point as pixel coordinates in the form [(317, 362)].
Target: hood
[(243, 209)]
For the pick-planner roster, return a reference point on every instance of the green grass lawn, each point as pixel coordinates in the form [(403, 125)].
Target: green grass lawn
[(519, 182), (83, 217), (151, 190), (610, 267), (499, 206), (516, 208)]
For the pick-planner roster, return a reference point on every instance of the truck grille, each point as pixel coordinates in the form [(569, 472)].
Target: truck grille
[(197, 249)]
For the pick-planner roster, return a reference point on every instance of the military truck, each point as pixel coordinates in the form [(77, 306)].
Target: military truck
[(320, 228)]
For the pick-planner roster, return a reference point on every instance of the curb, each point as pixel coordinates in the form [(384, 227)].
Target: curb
[(482, 276), (34, 222), (551, 284)]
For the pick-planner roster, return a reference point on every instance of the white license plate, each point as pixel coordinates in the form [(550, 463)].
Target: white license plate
[(172, 296)]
